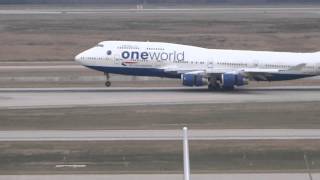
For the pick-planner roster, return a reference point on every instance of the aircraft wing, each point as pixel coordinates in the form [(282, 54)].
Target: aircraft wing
[(263, 74), (298, 67), (178, 70), (259, 74), (252, 73)]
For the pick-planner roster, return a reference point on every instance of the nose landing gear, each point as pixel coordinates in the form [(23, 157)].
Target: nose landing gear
[(108, 83)]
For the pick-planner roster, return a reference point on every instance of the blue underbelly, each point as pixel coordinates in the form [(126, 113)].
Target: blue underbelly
[(136, 71)]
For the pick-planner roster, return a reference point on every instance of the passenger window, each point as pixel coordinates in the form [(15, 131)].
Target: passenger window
[(109, 52)]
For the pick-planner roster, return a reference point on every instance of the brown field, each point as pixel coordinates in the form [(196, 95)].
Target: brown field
[(299, 115), (59, 37), (158, 157)]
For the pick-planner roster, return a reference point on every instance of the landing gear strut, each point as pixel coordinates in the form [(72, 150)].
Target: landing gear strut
[(214, 84), (108, 83)]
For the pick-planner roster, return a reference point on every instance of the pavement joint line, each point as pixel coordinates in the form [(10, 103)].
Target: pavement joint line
[(140, 135)]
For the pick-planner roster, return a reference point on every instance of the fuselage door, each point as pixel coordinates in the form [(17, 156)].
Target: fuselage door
[(210, 64), (117, 58)]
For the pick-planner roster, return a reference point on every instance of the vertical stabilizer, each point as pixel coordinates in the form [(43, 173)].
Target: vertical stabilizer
[(186, 161)]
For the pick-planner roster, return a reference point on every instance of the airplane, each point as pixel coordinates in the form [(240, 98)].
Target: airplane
[(195, 66)]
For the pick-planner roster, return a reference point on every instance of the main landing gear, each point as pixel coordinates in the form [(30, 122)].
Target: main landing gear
[(108, 83), (214, 87), (214, 84)]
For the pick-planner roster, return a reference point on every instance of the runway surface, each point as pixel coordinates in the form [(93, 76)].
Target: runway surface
[(117, 135), (214, 10), (231, 176), (73, 97)]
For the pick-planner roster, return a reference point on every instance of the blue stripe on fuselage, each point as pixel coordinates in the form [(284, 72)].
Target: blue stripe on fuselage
[(135, 71), (161, 73)]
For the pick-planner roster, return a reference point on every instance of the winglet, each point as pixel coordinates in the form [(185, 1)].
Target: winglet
[(186, 160)]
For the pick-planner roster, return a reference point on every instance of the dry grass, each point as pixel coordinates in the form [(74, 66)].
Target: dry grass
[(157, 157), (200, 116), (61, 36)]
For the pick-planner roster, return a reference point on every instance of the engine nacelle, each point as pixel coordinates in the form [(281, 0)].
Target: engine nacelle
[(194, 80), (229, 80)]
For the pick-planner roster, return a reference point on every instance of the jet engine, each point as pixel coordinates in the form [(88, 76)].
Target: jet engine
[(194, 80), (229, 80)]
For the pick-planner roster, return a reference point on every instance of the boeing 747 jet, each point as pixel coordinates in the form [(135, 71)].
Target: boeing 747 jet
[(196, 66)]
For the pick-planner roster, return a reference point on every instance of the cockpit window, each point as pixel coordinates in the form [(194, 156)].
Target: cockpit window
[(99, 45)]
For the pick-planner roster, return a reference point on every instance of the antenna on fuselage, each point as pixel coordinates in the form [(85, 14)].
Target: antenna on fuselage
[(186, 160)]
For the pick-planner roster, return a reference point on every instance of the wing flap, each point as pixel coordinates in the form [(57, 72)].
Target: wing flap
[(298, 67)]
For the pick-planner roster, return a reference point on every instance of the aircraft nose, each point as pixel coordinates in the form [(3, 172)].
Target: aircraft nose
[(78, 58)]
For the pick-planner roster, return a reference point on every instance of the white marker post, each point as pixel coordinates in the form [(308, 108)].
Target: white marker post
[(186, 161)]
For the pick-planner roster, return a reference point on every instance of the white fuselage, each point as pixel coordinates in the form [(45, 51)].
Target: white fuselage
[(173, 60)]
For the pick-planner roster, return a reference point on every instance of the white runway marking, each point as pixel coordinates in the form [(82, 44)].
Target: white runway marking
[(136, 135)]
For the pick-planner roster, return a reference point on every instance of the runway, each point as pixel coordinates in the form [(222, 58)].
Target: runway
[(199, 10), (142, 135), (231, 176), (20, 98)]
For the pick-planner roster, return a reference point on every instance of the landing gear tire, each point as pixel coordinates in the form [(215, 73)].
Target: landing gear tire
[(211, 87), (214, 87), (228, 88), (213, 84), (108, 84)]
